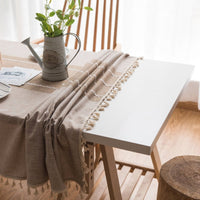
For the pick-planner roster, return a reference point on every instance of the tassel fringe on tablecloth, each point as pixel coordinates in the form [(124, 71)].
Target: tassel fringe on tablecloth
[(90, 123)]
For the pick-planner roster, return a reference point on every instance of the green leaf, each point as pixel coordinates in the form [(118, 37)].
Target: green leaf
[(72, 5), (59, 14), (43, 28), (71, 13), (51, 14), (76, 14), (58, 22), (47, 7), (55, 28), (79, 3), (88, 8), (40, 17), (57, 33), (47, 27), (69, 22), (66, 17)]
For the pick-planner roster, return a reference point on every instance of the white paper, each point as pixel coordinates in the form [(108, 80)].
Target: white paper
[(17, 75)]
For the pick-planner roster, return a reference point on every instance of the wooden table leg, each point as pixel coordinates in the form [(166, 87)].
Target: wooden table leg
[(111, 172), (156, 161), (98, 155)]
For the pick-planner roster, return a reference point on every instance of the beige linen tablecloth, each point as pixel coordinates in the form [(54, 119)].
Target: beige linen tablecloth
[(41, 123)]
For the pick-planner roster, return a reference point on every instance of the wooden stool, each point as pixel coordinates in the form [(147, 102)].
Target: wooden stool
[(180, 179)]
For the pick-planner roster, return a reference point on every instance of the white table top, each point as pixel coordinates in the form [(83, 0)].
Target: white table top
[(135, 118)]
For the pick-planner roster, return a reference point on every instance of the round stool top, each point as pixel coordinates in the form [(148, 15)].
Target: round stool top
[(183, 174)]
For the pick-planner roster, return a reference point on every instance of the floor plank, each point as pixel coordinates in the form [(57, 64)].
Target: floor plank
[(152, 192), (181, 135)]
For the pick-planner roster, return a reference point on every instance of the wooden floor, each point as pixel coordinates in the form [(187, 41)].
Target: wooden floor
[(180, 137)]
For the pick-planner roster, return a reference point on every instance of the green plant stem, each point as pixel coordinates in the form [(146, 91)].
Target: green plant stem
[(65, 17)]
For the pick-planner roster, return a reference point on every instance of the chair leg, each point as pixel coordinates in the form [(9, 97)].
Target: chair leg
[(89, 159), (97, 155)]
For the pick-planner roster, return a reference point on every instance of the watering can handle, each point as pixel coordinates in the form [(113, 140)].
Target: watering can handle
[(79, 46)]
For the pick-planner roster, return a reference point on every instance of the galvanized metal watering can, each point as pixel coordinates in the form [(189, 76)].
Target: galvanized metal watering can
[(54, 64)]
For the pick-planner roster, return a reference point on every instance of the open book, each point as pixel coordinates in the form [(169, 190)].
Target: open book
[(17, 75)]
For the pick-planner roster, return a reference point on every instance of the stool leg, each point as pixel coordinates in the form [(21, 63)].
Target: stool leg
[(156, 161)]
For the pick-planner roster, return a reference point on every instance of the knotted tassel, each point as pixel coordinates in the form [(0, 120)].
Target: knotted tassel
[(140, 58), (112, 96), (101, 108), (7, 183), (66, 194), (29, 191), (81, 194), (105, 104), (68, 184), (83, 141), (1, 179), (42, 189), (20, 184), (95, 116), (88, 128), (86, 149), (36, 192), (13, 184), (91, 123), (77, 187), (109, 98)]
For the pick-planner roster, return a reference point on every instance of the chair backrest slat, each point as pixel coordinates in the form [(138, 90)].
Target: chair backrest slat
[(86, 26), (116, 25), (95, 26), (79, 24), (110, 25), (65, 5), (103, 25), (97, 29), (68, 31)]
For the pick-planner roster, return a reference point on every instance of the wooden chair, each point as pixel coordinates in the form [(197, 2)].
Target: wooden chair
[(101, 25)]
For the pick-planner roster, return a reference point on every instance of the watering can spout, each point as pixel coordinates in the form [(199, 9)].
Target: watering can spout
[(38, 59)]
